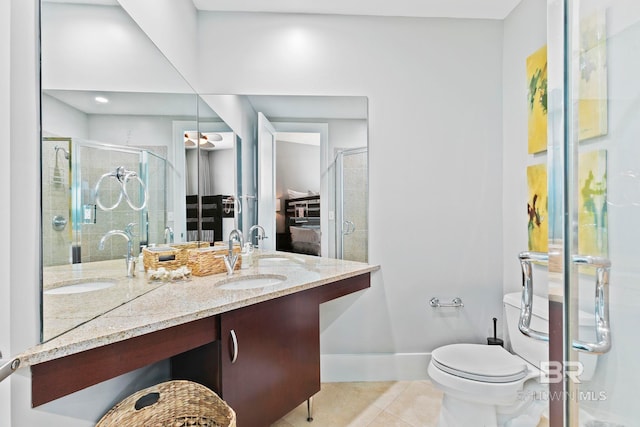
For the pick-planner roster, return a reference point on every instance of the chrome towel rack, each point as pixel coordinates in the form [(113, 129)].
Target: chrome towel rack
[(455, 303), (122, 176)]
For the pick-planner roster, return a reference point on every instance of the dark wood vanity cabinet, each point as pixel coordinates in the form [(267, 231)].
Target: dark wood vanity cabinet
[(266, 361), (270, 358), (276, 350)]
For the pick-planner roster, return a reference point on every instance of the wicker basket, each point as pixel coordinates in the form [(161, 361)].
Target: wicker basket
[(173, 403), (167, 257), (190, 245), (205, 261)]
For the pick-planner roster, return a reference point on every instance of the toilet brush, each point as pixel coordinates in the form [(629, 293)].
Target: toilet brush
[(495, 340)]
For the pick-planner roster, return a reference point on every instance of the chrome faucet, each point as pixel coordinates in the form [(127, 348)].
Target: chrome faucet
[(127, 233), (261, 233), (231, 259), (168, 234)]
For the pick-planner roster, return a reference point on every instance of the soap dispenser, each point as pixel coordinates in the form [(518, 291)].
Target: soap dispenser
[(247, 255), (141, 259)]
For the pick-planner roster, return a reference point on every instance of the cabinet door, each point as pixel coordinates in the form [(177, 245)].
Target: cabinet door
[(270, 357)]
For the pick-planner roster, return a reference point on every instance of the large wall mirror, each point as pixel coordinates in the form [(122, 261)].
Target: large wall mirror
[(131, 157), (121, 149)]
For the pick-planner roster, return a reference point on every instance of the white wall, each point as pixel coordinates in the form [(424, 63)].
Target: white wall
[(298, 168), (62, 120), (434, 89), (5, 194), (23, 229)]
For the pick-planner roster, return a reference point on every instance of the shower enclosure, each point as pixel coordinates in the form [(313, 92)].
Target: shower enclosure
[(594, 188), (352, 226), (75, 217)]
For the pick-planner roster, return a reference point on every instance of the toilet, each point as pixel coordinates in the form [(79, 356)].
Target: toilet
[(485, 385)]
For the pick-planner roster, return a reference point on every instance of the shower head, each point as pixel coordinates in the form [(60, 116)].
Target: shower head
[(64, 151)]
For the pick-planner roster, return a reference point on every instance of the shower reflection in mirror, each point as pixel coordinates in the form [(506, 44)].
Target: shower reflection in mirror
[(76, 170)]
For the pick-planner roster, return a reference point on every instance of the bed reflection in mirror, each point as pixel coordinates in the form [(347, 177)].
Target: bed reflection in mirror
[(321, 173)]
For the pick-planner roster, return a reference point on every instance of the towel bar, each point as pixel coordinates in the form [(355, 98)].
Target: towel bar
[(456, 302)]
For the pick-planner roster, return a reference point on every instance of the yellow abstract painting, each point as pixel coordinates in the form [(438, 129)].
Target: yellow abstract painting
[(592, 90), (592, 203), (537, 100), (537, 206)]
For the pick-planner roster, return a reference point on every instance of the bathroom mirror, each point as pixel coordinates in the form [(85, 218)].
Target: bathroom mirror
[(110, 99), (118, 102), (321, 173)]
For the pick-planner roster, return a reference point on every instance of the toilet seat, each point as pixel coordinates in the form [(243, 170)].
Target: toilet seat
[(485, 363)]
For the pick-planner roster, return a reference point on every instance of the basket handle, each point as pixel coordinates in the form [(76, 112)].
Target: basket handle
[(147, 400)]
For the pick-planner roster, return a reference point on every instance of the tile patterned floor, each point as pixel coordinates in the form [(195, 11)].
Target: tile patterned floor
[(402, 404), (372, 404)]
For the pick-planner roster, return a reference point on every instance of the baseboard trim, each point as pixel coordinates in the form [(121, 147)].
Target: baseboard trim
[(374, 367)]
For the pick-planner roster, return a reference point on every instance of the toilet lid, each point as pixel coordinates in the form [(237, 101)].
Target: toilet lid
[(487, 363)]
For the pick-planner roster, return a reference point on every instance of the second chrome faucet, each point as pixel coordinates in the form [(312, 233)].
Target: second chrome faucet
[(231, 259)]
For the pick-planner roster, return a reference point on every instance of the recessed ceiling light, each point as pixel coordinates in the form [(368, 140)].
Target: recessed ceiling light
[(101, 100)]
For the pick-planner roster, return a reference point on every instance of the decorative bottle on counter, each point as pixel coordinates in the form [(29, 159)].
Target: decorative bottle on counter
[(247, 255)]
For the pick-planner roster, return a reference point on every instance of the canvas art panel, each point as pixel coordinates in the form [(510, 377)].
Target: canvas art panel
[(592, 89), (592, 203), (537, 208), (537, 100)]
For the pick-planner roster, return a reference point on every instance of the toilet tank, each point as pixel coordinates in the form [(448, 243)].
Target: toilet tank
[(535, 351), (531, 350)]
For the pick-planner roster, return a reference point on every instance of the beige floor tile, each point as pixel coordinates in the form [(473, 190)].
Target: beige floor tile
[(367, 417), (418, 405), (373, 404), (281, 423), (391, 393), (385, 419), (340, 404)]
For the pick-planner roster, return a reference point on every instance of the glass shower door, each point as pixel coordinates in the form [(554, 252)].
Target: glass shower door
[(596, 166), (351, 204)]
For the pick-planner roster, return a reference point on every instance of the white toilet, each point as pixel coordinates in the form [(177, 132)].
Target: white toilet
[(486, 385)]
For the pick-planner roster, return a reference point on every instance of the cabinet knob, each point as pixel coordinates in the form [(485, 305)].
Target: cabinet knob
[(234, 348)]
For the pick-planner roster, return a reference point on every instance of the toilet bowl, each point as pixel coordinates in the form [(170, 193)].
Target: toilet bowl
[(488, 386)]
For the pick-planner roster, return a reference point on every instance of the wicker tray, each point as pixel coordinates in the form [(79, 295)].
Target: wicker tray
[(205, 261), (173, 403), (167, 257)]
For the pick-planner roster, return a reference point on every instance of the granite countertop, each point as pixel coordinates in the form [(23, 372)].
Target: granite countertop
[(155, 307)]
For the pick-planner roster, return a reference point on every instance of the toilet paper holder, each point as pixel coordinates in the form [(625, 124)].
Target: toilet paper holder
[(456, 302)]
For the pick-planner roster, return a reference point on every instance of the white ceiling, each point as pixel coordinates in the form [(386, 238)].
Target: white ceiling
[(484, 9), (128, 103)]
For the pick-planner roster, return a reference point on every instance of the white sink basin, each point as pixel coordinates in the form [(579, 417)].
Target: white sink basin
[(77, 288), (251, 282)]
